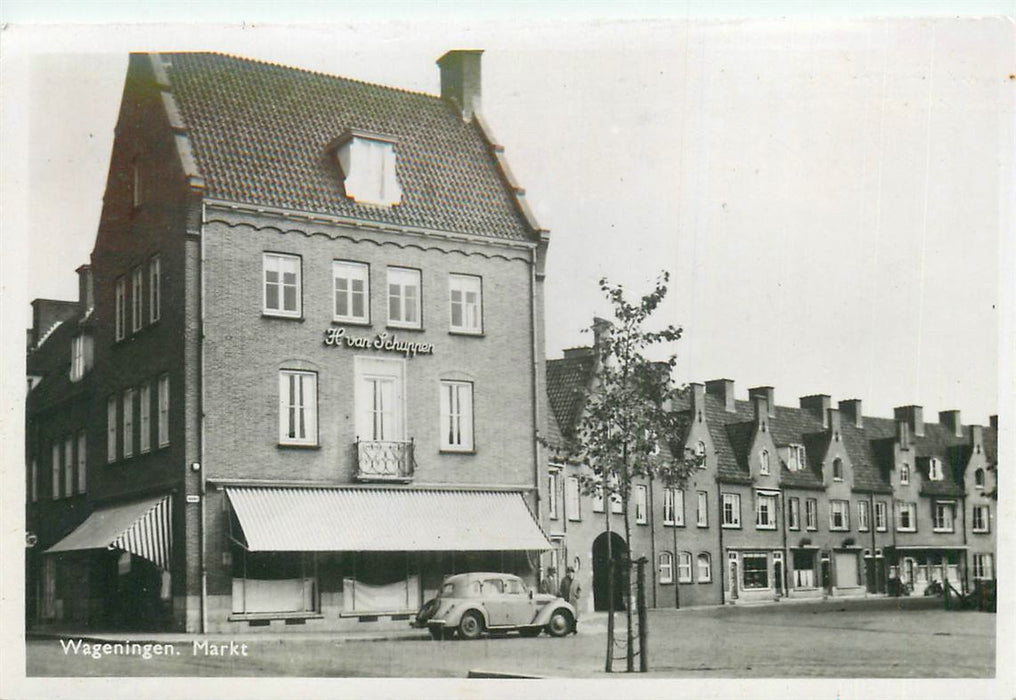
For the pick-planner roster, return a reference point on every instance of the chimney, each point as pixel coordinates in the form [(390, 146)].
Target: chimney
[(851, 408), (767, 393), (993, 420), (761, 412), (698, 401), (914, 416), (460, 80), (86, 300), (976, 435), (951, 420), (572, 353), (833, 422), (602, 329), (817, 405), (722, 389), (903, 434)]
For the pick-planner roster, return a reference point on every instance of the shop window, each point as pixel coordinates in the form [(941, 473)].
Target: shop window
[(881, 516), (274, 582), (282, 285), (863, 519), (673, 507), (466, 306), (839, 515), (981, 519), (755, 570), (351, 287), (944, 515), (403, 297), (553, 484), (804, 568), (666, 567), (573, 501), (702, 514), (684, 567), (794, 513), (297, 408), (154, 289), (457, 416), (137, 300), (906, 517), (641, 504), (765, 512), (705, 567), (811, 514)]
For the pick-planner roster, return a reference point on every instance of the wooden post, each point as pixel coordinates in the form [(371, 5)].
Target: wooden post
[(643, 617)]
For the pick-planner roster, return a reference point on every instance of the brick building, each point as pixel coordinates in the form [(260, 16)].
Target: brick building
[(804, 502), (316, 301)]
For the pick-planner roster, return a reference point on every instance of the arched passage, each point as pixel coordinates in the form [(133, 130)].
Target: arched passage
[(601, 560)]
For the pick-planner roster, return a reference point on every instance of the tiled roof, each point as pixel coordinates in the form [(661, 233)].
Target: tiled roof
[(567, 381), (52, 361), (260, 134), (739, 436)]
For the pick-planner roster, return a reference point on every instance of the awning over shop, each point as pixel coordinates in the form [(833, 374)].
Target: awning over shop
[(916, 547), (349, 520), (141, 528)]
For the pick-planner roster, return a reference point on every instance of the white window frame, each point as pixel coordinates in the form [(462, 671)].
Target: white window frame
[(145, 418), (983, 566), (794, 513), (837, 469), (641, 504), (163, 410), (839, 509), (137, 299), (616, 505), (666, 567), (764, 463), (68, 466), (399, 280), (154, 289), (730, 510), (111, 428), (121, 308), (599, 505), (943, 516), (553, 503), (985, 519), (769, 499), (684, 567), (128, 423), (673, 507), (456, 410), (351, 272), (904, 474), (374, 422), (935, 471), (573, 499), (298, 407), (863, 517), (881, 516), (470, 311), (705, 574), (55, 470), (82, 461), (811, 514), (911, 510), (77, 357), (702, 512), (278, 263)]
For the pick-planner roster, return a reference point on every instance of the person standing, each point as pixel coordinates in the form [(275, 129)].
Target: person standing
[(549, 582), (571, 590)]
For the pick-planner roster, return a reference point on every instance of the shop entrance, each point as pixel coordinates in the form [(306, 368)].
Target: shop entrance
[(601, 570)]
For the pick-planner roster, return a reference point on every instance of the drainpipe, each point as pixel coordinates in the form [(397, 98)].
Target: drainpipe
[(652, 537), (874, 559), (721, 565), (201, 430), (786, 549), (963, 512), (676, 560), (534, 341)]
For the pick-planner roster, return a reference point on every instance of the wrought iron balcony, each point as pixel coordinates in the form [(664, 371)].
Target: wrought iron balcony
[(384, 460)]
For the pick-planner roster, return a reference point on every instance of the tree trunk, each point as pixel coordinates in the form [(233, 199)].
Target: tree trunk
[(627, 589), (610, 591)]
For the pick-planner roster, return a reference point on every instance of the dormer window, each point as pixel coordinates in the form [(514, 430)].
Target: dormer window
[(368, 167), (935, 470), (700, 449), (81, 356), (904, 474), (838, 469), (796, 458)]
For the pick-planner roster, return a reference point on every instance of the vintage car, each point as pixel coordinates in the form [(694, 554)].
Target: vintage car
[(474, 603)]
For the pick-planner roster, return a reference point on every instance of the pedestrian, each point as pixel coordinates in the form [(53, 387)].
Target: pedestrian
[(549, 582), (571, 590)]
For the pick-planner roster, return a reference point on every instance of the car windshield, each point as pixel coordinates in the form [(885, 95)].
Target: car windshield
[(448, 589)]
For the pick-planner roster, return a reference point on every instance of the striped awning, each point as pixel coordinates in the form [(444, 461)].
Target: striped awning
[(140, 527), (390, 520)]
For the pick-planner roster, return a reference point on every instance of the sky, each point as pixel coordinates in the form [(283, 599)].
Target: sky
[(829, 197)]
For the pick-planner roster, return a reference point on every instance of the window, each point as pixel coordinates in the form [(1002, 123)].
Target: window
[(794, 513), (68, 466), (981, 519), (297, 408), (136, 192), (351, 287), (55, 470), (137, 299), (282, 292), (881, 517), (598, 499), (466, 305), (904, 474), (804, 568), (553, 484), (368, 169), (979, 478), (982, 566), (935, 470), (700, 451), (128, 423), (666, 567), (837, 469), (616, 506), (906, 517), (684, 567), (731, 510), (863, 517), (154, 289), (705, 568), (379, 399), (163, 410), (755, 566), (811, 514), (457, 416), (641, 504), (111, 429), (943, 513), (673, 507), (702, 516), (403, 297), (33, 484), (839, 515), (145, 418), (77, 358), (764, 462), (121, 308), (572, 501), (765, 512), (82, 460), (796, 458)]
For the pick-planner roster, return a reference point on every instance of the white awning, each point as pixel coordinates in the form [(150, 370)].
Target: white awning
[(141, 527), (392, 520)]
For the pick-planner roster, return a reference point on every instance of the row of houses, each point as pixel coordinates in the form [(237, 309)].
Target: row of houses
[(304, 381)]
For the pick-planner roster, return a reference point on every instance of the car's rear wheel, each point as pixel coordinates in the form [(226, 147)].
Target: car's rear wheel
[(471, 625), (530, 631), (560, 623)]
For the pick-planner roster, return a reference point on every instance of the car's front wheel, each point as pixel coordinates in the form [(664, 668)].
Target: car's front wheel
[(560, 623), (471, 625)]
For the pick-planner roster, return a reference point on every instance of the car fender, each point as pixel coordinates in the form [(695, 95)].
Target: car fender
[(543, 617), (453, 619)]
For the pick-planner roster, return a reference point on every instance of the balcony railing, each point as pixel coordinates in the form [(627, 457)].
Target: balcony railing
[(384, 460)]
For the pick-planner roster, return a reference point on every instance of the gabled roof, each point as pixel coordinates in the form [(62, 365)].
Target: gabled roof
[(51, 360), (568, 379), (261, 132)]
